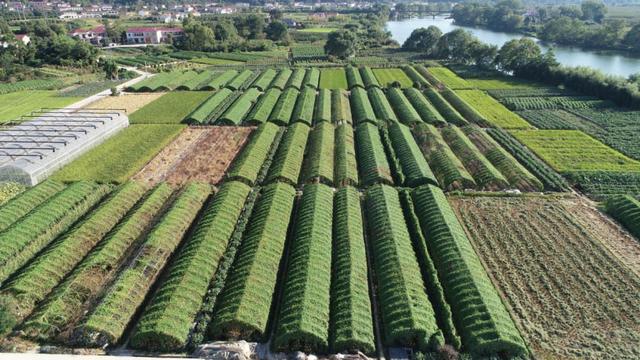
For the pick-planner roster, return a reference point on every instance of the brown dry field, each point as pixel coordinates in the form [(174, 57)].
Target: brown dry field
[(565, 272), (197, 154), (127, 101)]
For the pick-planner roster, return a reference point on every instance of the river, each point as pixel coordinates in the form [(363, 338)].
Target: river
[(607, 62)]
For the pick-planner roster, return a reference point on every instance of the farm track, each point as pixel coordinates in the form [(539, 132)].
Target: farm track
[(190, 157), (129, 102), (571, 297)]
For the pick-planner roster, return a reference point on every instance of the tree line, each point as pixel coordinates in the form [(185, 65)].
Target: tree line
[(585, 25), (523, 58)]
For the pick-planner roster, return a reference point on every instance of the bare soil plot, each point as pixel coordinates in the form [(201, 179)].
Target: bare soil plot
[(129, 102), (197, 154), (570, 295)]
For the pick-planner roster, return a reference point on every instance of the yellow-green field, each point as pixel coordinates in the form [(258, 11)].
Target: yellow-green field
[(14, 105)]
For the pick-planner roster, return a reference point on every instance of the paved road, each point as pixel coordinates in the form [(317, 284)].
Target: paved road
[(86, 101)]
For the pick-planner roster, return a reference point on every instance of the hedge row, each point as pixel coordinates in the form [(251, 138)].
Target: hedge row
[(33, 232), (361, 107), (261, 112), (281, 114), (346, 166), (351, 319), (303, 322), (244, 305), (290, 155), (22, 204), (484, 173), (450, 172), (109, 319), (21, 295), (408, 318), (478, 311), (517, 175), (320, 158), (424, 108), (403, 107), (246, 167), (81, 289), (305, 105), (381, 106), (372, 159), (414, 166), (167, 321)]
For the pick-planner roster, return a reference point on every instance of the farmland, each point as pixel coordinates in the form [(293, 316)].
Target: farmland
[(16, 104), (327, 210)]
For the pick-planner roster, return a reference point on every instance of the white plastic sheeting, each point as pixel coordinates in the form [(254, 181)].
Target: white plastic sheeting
[(45, 141)]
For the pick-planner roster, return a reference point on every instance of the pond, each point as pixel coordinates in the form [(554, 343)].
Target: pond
[(606, 61)]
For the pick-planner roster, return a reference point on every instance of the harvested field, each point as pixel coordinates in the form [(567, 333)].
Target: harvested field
[(560, 270), (128, 102), (197, 154)]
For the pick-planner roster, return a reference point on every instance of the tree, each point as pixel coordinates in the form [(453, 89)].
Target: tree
[(632, 38), (255, 26), (456, 45), (275, 14), (198, 37), (516, 55), (423, 40), (593, 10), (341, 43), (277, 31), (110, 68), (225, 30)]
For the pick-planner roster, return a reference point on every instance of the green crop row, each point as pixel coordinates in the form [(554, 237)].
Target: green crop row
[(303, 111), (447, 168), (392, 157), (40, 84), (372, 159), (264, 79), (490, 109), (238, 82), (245, 302), (21, 295), (33, 232), (408, 318), (361, 107), (109, 319), (296, 78), (552, 180), (381, 106), (81, 289), (281, 114), (323, 106), (469, 112), (368, 77), (22, 204), (166, 322), (351, 319), (553, 102), (288, 159), (415, 76), (403, 107), (414, 166), (479, 314), (340, 107), (194, 82), (236, 112), (447, 111), (220, 81), (303, 322), (600, 185), (353, 77), (312, 78), (319, 159), (281, 80), (517, 175), (346, 167), (449, 78), (422, 70), (202, 114), (426, 111), (260, 113), (246, 167), (485, 174), (626, 210)]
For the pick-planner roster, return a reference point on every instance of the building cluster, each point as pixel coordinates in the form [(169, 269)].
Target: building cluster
[(133, 36)]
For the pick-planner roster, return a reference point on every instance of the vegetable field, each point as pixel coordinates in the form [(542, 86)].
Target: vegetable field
[(387, 76), (333, 79)]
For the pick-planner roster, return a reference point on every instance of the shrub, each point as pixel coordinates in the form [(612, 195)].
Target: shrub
[(167, 321), (288, 159), (82, 287), (372, 160), (109, 319), (414, 166), (246, 167), (346, 167), (319, 159), (303, 322), (479, 314), (351, 320), (361, 107), (408, 318), (244, 305)]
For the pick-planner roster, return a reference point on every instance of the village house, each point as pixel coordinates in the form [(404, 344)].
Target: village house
[(93, 36), (152, 35)]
